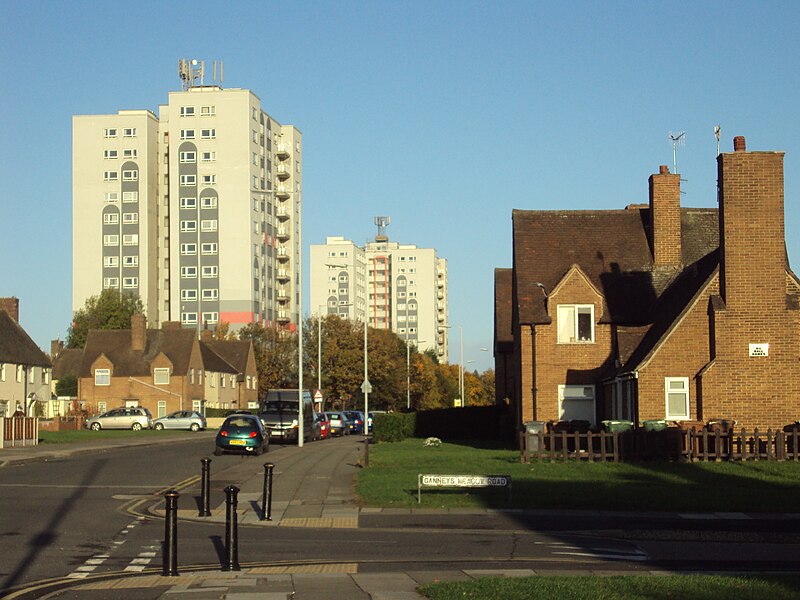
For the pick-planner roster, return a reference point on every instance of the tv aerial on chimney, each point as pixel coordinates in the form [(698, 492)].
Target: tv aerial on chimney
[(676, 139), (717, 134)]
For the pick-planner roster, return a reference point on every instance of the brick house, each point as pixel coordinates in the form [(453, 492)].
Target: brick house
[(656, 311), (163, 370)]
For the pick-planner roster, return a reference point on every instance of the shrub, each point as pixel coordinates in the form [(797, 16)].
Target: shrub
[(393, 427)]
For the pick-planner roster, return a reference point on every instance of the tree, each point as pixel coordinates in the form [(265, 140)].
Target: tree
[(222, 332), (342, 357), (276, 356), (67, 385), (111, 309)]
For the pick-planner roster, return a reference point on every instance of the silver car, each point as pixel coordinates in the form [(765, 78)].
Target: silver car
[(132, 417), (182, 419)]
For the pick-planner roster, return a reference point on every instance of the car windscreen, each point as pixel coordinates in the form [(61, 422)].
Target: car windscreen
[(279, 407)]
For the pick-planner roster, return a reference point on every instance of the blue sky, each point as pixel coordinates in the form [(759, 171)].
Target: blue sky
[(443, 115)]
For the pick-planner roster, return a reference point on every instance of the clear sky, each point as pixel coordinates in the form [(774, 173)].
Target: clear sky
[(443, 115)]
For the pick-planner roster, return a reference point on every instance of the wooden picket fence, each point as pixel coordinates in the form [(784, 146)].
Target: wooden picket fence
[(670, 444), (19, 431)]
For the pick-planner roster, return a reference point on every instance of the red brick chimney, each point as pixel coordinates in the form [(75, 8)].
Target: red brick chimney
[(138, 332), (665, 217), (751, 230), (11, 306)]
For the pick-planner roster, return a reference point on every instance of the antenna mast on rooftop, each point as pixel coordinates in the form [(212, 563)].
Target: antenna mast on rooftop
[(190, 71), (676, 139), (717, 134), (382, 223)]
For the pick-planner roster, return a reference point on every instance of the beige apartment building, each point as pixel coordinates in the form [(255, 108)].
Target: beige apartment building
[(395, 286), (197, 210)]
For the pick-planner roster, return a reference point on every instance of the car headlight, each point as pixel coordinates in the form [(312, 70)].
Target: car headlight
[(295, 423)]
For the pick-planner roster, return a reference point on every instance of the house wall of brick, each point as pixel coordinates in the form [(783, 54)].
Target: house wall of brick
[(683, 354), (575, 363)]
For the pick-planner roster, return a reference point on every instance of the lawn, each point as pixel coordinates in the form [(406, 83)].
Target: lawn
[(85, 435), (707, 587), (391, 481)]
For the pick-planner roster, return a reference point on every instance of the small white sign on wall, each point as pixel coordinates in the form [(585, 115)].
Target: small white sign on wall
[(759, 349)]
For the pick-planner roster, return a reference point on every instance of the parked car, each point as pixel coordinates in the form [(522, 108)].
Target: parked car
[(242, 433), (324, 426), (134, 417), (339, 423), (182, 419), (356, 419)]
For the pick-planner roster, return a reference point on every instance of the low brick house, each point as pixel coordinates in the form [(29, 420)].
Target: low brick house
[(656, 311), (163, 370)]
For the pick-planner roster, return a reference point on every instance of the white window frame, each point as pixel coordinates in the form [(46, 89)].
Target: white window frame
[(129, 132), (189, 295), (208, 202), (130, 239), (158, 376), (130, 218), (110, 197), (567, 323), (189, 202), (162, 408), (684, 391), (102, 376), (189, 318), (208, 225), (130, 261), (111, 239), (210, 271), (187, 156), (130, 153), (111, 219), (208, 248), (130, 175), (130, 282), (208, 111), (111, 262), (208, 156), (188, 226), (187, 111), (188, 180), (210, 294), (189, 249), (110, 283), (208, 134), (211, 318), (208, 179), (577, 393), (130, 197), (110, 176), (110, 132), (189, 272), (110, 154), (187, 134)]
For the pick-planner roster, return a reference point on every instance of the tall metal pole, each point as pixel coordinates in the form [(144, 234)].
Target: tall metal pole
[(300, 433), (319, 352), (461, 369), (408, 365), (366, 378)]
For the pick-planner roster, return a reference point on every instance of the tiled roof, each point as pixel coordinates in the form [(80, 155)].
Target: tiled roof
[(176, 344), (234, 352), (611, 247), (67, 362), (214, 362), (17, 347)]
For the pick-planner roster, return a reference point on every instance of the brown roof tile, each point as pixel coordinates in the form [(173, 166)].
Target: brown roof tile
[(17, 347)]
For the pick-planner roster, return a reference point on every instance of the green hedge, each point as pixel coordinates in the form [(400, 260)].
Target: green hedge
[(393, 427), (217, 412)]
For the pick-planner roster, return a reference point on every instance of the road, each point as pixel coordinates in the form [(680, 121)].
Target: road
[(92, 513)]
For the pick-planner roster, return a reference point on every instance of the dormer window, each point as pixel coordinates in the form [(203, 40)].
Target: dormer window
[(161, 376), (102, 376), (575, 323)]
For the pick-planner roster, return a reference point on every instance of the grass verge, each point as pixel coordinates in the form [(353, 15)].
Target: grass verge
[(391, 481), (85, 435), (707, 587)]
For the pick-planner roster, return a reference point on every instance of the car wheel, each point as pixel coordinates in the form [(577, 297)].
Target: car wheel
[(158, 426), (136, 426), (95, 427), (194, 427), (217, 451), (257, 451)]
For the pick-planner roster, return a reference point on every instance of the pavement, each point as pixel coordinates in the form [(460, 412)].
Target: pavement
[(314, 498)]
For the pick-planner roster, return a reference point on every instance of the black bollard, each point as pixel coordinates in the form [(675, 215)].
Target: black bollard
[(205, 488), (231, 530), (366, 451), (266, 498), (170, 565)]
